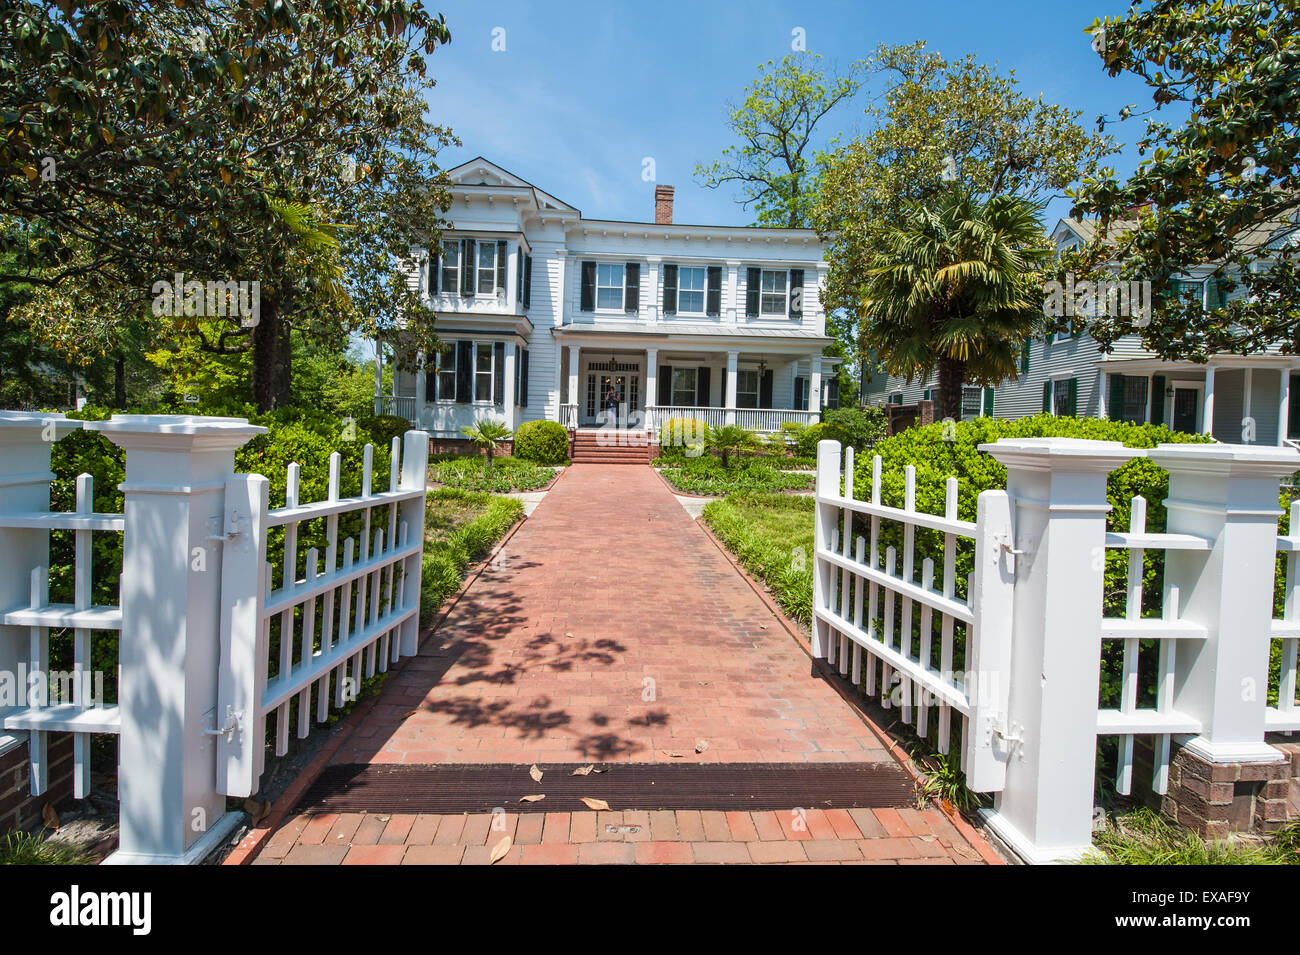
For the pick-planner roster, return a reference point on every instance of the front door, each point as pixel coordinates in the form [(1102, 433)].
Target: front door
[(613, 395), (1186, 402)]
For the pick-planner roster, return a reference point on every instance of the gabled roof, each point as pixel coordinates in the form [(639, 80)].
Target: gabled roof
[(483, 172)]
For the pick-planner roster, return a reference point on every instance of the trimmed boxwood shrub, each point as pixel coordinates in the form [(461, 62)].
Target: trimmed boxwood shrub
[(858, 428), (805, 441), (682, 437), (544, 442)]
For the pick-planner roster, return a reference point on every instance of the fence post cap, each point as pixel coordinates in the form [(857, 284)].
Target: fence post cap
[(168, 432), (17, 422), (1229, 460), (1073, 454)]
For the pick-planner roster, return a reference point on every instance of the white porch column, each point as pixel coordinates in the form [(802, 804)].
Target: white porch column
[(1207, 425), (1058, 492), (651, 386), (815, 385), (176, 472), (508, 393), (1103, 393), (421, 389), (1284, 407), (1248, 427), (572, 351), (1229, 494), (379, 370), (729, 396)]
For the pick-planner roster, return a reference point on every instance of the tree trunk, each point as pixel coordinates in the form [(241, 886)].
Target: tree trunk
[(271, 371), (119, 382), (952, 373)]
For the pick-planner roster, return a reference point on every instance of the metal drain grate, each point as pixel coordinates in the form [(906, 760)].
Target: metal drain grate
[(727, 786)]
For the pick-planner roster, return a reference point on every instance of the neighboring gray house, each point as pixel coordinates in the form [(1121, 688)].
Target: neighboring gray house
[(1251, 399)]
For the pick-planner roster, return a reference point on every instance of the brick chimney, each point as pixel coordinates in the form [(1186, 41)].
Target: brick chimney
[(663, 205)]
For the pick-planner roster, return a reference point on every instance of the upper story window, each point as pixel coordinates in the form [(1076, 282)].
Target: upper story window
[(690, 292), (469, 267), (450, 266), (488, 266), (611, 286), (773, 293)]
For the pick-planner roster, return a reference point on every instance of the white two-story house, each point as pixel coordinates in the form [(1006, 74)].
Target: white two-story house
[(1250, 399), (544, 313)]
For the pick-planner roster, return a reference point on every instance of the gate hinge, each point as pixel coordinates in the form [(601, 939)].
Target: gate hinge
[(233, 724)]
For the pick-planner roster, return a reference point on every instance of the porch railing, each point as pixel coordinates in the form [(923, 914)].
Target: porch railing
[(403, 406)]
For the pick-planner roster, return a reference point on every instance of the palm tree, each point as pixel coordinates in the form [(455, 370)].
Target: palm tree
[(730, 439), (486, 433), (957, 286)]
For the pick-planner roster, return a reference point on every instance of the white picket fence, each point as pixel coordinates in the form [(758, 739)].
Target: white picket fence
[(197, 614), (1024, 678)]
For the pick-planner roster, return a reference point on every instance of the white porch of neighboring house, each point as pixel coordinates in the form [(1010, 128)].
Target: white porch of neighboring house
[(1235, 399), (760, 386)]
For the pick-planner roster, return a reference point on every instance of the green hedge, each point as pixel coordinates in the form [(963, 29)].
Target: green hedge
[(545, 442), (858, 428), (446, 559), (706, 475), (682, 437)]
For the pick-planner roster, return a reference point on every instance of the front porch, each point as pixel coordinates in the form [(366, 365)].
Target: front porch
[(1234, 399)]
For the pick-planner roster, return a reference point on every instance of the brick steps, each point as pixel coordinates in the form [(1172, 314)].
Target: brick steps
[(590, 447)]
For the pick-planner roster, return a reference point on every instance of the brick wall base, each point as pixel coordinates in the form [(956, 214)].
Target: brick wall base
[(19, 809), (463, 446), (1215, 799)]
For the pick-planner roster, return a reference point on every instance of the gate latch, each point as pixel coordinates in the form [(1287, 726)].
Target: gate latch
[(1009, 546), (1010, 734), (234, 722)]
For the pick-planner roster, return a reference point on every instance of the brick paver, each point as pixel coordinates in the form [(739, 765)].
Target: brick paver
[(614, 631)]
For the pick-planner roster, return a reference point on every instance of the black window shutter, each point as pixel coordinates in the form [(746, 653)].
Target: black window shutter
[(833, 393), (714, 306), (631, 286), (986, 406), (1024, 355), (430, 379), (522, 397), (501, 265), (799, 403), (1115, 398), (1072, 397), (499, 373), (702, 386), (434, 263), (765, 388), (588, 297), (1158, 399), (519, 277), (753, 288), (467, 266), (670, 290), (796, 293), (1047, 395), (464, 372), (528, 280), (665, 385)]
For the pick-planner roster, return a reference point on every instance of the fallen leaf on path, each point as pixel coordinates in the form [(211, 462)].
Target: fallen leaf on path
[(499, 850), (672, 754), (50, 817), (582, 771), (598, 804), (535, 773), (701, 745), (535, 798), (409, 713)]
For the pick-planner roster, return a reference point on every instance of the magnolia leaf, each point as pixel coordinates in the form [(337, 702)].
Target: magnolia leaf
[(582, 771), (597, 804), (672, 753), (499, 850), (535, 773), (701, 745), (538, 797)]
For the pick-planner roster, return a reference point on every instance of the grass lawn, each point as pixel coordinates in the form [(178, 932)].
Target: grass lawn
[(469, 472), (460, 527), (706, 475), (772, 537), (1141, 837)]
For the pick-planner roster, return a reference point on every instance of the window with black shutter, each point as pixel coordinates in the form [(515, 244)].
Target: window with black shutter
[(522, 391), (464, 372), (519, 277), (499, 373), (714, 306), (670, 290), (800, 393), (702, 386), (753, 289), (587, 298), (665, 385), (528, 281), (467, 271), (765, 389), (631, 287), (431, 281), (501, 266)]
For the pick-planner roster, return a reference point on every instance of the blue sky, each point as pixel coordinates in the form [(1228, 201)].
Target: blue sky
[(583, 92)]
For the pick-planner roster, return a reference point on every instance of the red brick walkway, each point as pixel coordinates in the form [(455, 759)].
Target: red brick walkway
[(611, 629)]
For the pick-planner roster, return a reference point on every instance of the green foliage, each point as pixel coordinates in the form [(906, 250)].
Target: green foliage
[(682, 437), (709, 475), (545, 442), (857, 428), (1143, 838), (23, 848), (771, 165), (486, 434), (1220, 174), (772, 537), (472, 473), (806, 438), (730, 439), (460, 528)]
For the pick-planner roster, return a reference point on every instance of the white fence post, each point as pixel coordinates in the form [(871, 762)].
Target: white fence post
[(1058, 488), (1228, 494), (176, 473), (415, 476), (824, 524)]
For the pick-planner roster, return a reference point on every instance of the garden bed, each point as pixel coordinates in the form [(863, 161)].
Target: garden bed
[(470, 472), (707, 476)]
